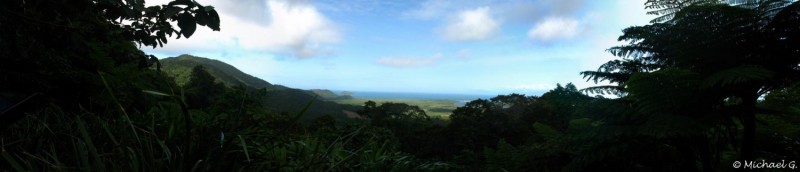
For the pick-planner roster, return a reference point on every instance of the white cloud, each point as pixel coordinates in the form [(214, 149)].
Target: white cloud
[(292, 27), (555, 28), (471, 25), (409, 62)]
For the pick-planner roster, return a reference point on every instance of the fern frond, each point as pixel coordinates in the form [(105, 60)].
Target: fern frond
[(605, 89), (672, 90), (597, 76), (666, 9), (737, 75)]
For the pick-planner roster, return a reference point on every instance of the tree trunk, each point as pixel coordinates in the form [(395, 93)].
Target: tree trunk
[(689, 156), (749, 123)]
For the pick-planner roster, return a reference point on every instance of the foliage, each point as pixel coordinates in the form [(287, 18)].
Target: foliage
[(703, 67), (279, 98), (693, 88), (57, 50), (79, 61), (436, 109), (180, 68)]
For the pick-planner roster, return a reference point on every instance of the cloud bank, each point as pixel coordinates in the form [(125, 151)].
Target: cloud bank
[(550, 20), (554, 28), (471, 25), (295, 28)]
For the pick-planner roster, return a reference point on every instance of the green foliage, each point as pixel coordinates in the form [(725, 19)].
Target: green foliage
[(181, 68), (707, 64), (128, 116), (329, 95), (434, 108), (278, 99), (390, 113), (407, 122), (202, 89), (345, 153), (737, 75), (58, 49), (689, 92)]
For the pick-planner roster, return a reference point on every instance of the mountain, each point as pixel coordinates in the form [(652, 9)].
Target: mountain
[(180, 67), (279, 98), (329, 95)]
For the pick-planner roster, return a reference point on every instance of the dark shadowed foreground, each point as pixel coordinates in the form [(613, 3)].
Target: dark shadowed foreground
[(708, 85)]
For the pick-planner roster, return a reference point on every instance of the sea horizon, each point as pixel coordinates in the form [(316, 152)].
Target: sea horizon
[(413, 95)]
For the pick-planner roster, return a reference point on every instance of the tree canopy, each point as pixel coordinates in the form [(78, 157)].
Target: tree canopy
[(708, 61)]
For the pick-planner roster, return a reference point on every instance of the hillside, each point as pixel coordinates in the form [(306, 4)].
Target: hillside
[(279, 98), (180, 67), (329, 95)]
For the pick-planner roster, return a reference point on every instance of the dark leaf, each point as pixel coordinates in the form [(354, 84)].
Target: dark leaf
[(201, 16), (161, 36), (171, 11), (213, 20), (187, 24), (188, 3)]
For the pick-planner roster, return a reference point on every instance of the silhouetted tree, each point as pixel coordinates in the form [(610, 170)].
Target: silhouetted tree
[(202, 88), (408, 122), (59, 50), (704, 55)]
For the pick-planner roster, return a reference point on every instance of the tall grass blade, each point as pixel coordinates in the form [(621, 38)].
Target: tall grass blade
[(116, 101), (166, 151), (111, 92), (222, 139), (40, 159), (54, 156), (111, 136), (244, 146), (155, 93), (308, 105), (98, 164), (197, 164), (80, 150), (135, 160), (14, 164)]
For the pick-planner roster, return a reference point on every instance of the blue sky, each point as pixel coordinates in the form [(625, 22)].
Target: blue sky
[(428, 46)]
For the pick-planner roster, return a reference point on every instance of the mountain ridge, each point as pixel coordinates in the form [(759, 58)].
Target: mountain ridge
[(180, 66), (279, 98)]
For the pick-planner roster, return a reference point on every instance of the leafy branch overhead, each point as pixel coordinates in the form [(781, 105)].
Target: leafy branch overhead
[(151, 26)]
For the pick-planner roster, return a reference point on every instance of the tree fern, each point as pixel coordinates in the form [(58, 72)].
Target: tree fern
[(737, 75), (606, 89), (666, 9)]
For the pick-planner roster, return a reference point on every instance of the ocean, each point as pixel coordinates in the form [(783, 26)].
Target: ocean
[(460, 99)]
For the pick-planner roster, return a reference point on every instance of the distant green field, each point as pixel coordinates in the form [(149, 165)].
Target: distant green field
[(434, 108)]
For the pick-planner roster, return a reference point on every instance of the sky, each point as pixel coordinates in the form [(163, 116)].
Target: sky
[(485, 47)]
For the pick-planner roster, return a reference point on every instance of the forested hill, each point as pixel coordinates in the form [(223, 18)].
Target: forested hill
[(279, 98), (180, 67)]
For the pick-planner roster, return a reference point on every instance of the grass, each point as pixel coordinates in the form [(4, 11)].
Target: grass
[(54, 140), (434, 108)]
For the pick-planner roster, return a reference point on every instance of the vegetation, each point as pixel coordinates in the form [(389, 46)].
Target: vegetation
[(708, 83), (180, 69), (280, 98), (433, 108)]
